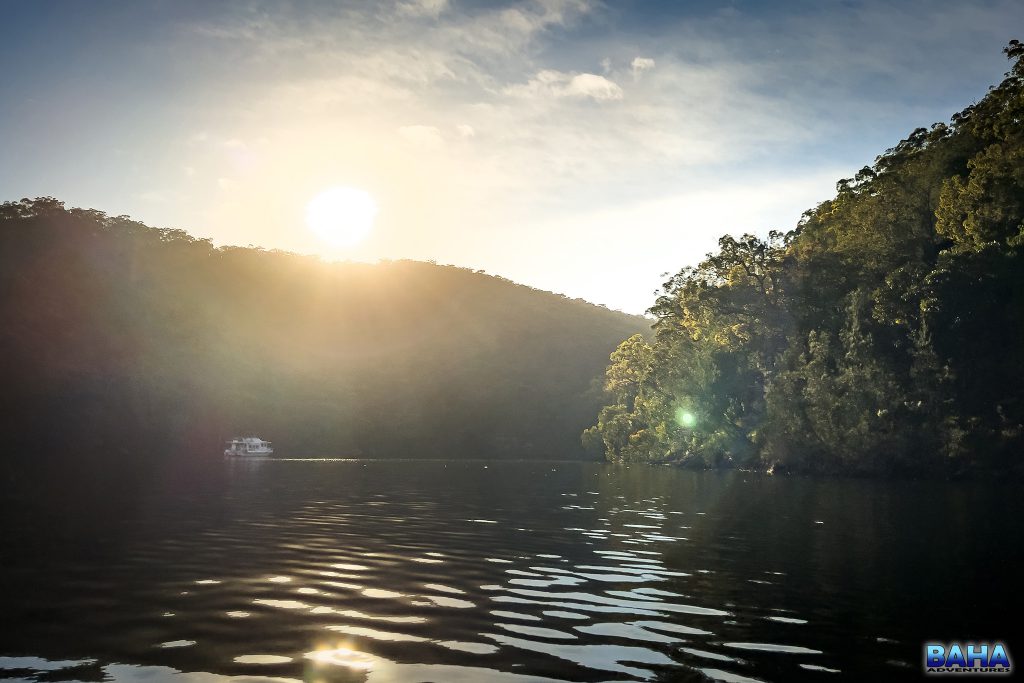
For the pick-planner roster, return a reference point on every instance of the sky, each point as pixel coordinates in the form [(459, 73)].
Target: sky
[(577, 146)]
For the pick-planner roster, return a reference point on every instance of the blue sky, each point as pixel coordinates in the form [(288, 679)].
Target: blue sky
[(572, 145)]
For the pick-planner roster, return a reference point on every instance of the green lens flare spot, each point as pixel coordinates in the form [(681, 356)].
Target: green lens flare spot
[(685, 418)]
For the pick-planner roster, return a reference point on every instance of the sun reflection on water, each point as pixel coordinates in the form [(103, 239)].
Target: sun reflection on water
[(342, 656)]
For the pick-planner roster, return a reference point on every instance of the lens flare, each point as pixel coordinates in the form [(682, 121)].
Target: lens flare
[(685, 418)]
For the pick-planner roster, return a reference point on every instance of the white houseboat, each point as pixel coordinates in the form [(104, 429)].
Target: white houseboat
[(248, 446)]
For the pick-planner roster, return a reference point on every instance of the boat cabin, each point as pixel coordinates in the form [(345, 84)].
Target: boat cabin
[(248, 445)]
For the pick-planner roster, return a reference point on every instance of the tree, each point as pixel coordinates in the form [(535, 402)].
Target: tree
[(884, 333)]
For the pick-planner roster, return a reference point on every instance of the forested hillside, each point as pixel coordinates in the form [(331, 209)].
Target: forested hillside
[(885, 333), (124, 344)]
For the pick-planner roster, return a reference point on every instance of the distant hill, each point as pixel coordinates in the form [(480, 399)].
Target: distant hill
[(124, 343)]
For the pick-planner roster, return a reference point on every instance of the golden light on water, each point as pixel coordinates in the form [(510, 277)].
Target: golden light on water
[(341, 216), (342, 656)]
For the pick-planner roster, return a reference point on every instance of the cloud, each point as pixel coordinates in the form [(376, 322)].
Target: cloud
[(594, 86), (552, 83), (349, 78), (427, 137), (423, 8), (641, 64), (512, 30)]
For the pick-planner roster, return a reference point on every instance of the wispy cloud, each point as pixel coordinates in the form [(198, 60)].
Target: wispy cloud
[(427, 8), (641, 64), (552, 83)]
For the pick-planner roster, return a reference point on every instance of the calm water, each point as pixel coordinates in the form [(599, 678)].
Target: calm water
[(471, 571)]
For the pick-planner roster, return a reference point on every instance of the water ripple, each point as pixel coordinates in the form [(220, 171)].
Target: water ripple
[(379, 571)]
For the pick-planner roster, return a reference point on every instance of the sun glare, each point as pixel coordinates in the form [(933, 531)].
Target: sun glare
[(341, 216)]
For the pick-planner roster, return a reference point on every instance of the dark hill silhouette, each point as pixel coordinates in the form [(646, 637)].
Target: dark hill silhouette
[(124, 345)]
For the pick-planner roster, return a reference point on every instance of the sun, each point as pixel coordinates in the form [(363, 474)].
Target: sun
[(341, 216)]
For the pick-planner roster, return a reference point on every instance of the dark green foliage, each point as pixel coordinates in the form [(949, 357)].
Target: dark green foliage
[(885, 333), (123, 344)]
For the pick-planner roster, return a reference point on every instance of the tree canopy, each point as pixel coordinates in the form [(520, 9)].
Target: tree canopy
[(884, 333)]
